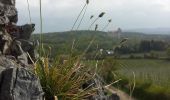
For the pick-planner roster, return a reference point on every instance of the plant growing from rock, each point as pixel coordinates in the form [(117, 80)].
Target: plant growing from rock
[(63, 79)]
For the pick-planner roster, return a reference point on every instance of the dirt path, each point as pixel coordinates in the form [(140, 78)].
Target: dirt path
[(121, 94)]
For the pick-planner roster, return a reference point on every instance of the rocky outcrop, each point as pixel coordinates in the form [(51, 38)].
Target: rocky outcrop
[(18, 83), (101, 94), (16, 54)]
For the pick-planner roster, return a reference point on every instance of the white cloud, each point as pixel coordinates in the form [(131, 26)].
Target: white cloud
[(59, 15)]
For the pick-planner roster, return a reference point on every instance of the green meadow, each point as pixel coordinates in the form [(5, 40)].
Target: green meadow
[(155, 71)]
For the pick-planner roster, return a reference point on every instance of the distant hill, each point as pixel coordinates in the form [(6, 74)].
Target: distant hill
[(99, 36), (151, 30), (145, 36), (62, 42)]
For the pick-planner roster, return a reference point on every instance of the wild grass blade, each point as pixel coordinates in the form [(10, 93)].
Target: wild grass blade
[(41, 27), (134, 85), (82, 18), (29, 12), (93, 23), (78, 16)]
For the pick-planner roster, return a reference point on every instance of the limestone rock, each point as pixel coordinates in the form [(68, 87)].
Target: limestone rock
[(8, 12), (9, 2), (17, 83), (101, 94)]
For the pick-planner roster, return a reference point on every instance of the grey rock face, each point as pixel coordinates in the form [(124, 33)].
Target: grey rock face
[(17, 83), (8, 2), (8, 14), (26, 31), (28, 47), (101, 94), (5, 42), (14, 40), (17, 43)]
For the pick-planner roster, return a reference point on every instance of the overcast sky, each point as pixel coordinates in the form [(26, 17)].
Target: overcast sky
[(59, 15)]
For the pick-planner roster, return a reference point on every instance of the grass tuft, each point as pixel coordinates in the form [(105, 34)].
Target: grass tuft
[(63, 78)]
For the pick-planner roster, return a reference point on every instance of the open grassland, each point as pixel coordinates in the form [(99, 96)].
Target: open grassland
[(155, 71), (152, 78), (146, 70)]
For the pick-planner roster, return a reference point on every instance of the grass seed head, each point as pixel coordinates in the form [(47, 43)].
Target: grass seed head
[(87, 2), (91, 16), (102, 14), (110, 20)]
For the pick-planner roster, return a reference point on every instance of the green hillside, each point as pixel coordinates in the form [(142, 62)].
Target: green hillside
[(62, 42)]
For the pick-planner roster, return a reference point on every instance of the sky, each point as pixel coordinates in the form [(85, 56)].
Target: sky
[(60, 15)]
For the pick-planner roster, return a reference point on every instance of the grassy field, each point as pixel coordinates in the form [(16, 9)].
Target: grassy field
[(152, 77), (152, 70), (156, 71)]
